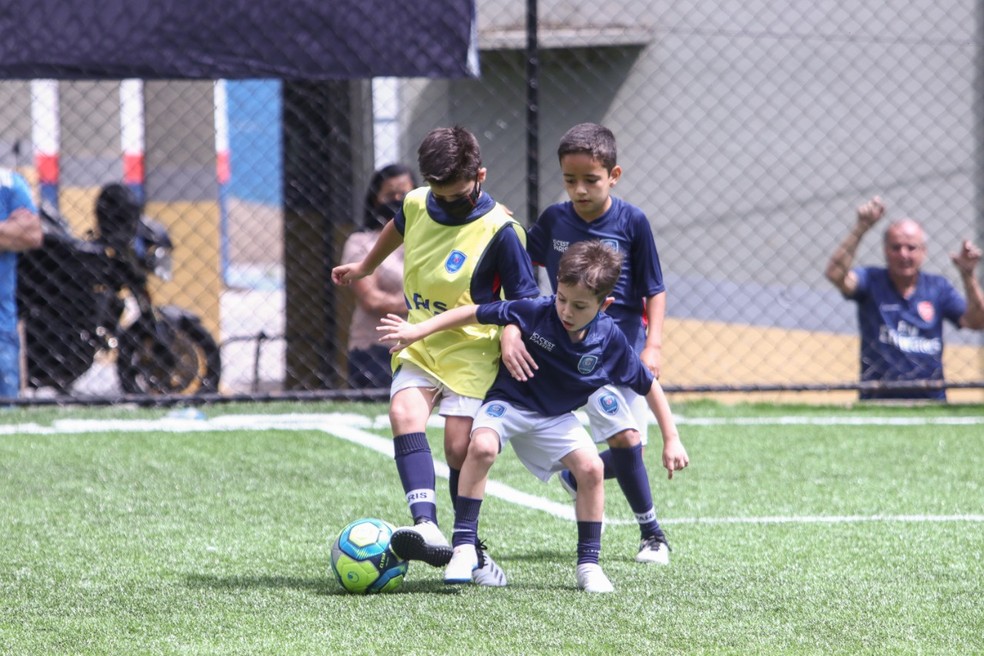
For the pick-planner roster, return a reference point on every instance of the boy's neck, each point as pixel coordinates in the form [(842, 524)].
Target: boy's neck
[(604, 211), (578, 337)]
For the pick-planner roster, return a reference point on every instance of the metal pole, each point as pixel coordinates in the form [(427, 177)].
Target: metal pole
[(532, 115), (978, 131)]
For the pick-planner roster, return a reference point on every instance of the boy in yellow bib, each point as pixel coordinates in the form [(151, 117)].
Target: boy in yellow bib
[(461, 248)]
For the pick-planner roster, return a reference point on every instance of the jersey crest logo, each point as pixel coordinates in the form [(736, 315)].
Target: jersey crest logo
[(455, 261), (609, 404), (926, 310), (495, 410), (611, 243), (587, 364)]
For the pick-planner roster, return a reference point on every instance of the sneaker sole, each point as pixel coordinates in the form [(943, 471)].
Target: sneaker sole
[(652, 561), (457, 581), (410, 545), (605, 590)]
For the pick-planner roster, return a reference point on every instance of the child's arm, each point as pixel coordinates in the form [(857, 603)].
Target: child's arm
[(652, 352), (394, 328), (674, 455), (388, 241)]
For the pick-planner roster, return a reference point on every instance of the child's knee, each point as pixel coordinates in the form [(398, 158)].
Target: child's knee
[(625, 439), (484, 446), (589, 471), (408, 410), (455, 454)]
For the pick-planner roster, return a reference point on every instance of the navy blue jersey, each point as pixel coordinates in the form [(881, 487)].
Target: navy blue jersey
[(902, 338), (505, 266), (623, 226), (569, 373)]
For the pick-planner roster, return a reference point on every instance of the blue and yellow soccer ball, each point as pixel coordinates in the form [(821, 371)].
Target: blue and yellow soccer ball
[(362, 559)]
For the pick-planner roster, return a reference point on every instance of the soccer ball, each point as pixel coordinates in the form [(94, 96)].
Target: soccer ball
[(362, 559)]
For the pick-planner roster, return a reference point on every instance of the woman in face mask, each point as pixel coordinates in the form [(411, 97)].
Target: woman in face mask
[(382, 292)]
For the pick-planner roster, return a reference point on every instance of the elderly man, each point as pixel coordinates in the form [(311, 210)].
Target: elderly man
[(900, 308)]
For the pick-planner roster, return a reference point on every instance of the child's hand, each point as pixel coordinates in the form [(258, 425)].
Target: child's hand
[(519, 363), (674, 456), (345, 274), (651, 357), (393, 328)]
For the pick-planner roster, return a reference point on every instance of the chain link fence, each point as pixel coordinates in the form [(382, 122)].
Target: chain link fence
[(748, 132)]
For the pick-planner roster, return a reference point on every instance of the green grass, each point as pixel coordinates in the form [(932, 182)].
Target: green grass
[(217, 543)]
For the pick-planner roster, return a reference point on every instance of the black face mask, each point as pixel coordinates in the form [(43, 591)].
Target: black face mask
[(387, 211), (460, 208)]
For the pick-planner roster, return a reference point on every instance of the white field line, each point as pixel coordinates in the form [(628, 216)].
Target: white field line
[(436, 421), (351, 427), (830, 421)]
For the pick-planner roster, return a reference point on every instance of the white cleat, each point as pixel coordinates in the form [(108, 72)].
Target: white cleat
[(464, 562), (653, 550), (591, 578), (488, 572), (423, 541)]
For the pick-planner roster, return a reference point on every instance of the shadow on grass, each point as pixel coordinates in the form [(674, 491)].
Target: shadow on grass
[(539, 556), (321, 586), (206, 581)]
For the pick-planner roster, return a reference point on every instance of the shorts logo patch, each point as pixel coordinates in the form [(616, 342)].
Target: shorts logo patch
[(587, 364), (455, 261), (609, 404), (495, 410)]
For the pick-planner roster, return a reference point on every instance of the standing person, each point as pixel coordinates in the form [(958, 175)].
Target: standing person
[(579, 349), (461, 247), (618, 415), (900, 308), (20, 230), (380, 293)]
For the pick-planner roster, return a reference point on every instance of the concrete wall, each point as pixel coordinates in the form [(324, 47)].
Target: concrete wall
[(748, 132)]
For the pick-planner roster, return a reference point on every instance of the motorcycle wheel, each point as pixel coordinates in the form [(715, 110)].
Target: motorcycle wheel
[(197, 361)]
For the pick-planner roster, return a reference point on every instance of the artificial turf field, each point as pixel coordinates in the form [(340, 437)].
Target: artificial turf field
[(796, 530)]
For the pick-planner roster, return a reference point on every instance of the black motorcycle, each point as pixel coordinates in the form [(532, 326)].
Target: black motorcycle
[(82, 296)]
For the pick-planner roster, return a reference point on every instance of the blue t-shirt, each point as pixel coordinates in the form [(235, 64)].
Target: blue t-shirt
[(902, 338), (623, 226), (505, 265), (568, 373), (14, 194)]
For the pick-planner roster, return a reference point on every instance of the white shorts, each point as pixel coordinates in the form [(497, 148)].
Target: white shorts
[(539, 442), (451, 403), (612, 410)]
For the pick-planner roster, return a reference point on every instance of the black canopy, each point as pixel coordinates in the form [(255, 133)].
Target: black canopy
[(209, 39)]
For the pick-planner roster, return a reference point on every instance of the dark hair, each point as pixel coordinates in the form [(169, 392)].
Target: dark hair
[(593, 264), (591, 139), (117, 214), (371, 218), (449, 155)]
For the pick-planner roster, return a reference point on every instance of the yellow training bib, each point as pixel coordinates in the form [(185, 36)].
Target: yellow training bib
[(439, 263)]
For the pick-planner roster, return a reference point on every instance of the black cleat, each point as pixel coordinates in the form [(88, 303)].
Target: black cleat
[(422, 542)]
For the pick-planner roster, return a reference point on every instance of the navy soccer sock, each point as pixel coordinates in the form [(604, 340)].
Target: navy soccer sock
[(606, 460), (453, 476), (630, 471), (416, 466), (466, 521), (588, 542)]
